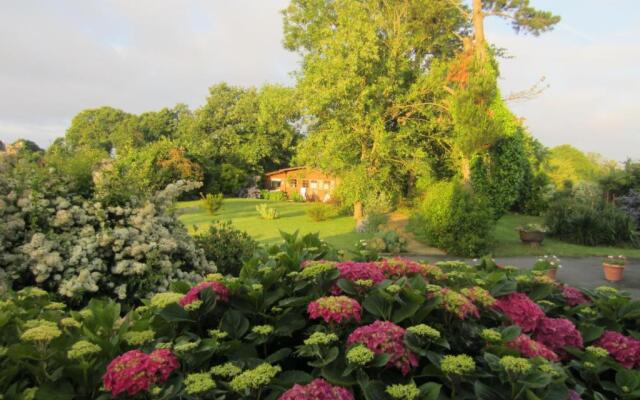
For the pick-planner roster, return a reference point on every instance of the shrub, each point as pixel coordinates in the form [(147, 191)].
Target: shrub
[(320, 212), (212, 202), (591, 223), (455, 218), (226, 246), (80, 249), (297, 198), (273, 195), (373, 221), (630, 204), (266, 212), (285, 329)]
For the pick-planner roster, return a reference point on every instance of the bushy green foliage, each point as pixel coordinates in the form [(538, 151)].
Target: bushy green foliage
[(266, 212), (321, 212), (212, 202), (454, 218), (273, 195), (590, 222), (297, 197), (256, 335), (226, 246), (373, 221), (499, 175), (566, 163)]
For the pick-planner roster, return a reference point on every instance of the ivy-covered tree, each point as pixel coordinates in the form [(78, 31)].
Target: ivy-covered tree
[(480, 116), (363, 87)]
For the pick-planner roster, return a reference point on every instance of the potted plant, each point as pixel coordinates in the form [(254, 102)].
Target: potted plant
[(532, 234), (548, 265), (613, 268)]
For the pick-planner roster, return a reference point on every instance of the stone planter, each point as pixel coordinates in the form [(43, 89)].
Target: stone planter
[(612, 272), (532, 238)]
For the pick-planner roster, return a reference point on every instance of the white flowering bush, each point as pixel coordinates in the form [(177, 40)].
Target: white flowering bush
[(79, 248)]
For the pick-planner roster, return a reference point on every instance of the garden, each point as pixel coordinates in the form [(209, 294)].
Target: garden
[(149, 256)]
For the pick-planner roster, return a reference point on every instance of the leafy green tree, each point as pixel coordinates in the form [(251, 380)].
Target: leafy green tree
[(568, 164), (363, 86), (104, 128), (242, 130)]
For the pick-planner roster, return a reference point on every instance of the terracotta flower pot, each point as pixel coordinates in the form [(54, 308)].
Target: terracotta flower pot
[(551, 273), (612, 273), (532, 238)]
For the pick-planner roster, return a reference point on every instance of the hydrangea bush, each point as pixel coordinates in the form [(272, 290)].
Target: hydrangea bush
[(323, 330)]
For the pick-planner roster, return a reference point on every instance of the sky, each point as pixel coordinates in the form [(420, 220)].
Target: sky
[(58, 58)]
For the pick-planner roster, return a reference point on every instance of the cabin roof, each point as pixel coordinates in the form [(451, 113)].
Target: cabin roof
[(284, 170)]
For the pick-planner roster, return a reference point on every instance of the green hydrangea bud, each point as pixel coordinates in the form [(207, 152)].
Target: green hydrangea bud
[(365, 283), (56, 306), (549, 369), (193, 306), (393, 289), (254, 378), (226, 370), (69, 322), (161, 300), (185, 347), (424, 330), (199, 383), (491, 335), (597, 351), (218, 334), (320, 338), (41, 333), (515, 365), (138, 338), (457, 365), (403, 392), (263, 330), (81, 349), (360, 355)]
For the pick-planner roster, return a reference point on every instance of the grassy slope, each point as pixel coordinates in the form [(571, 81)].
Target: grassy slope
[(338, 231), (508, 242)]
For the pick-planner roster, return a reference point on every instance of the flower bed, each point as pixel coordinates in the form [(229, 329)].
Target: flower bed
[(394, 329)]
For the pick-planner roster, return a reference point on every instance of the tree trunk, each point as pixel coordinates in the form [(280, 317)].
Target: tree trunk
[(478, 27), (358, 211), (465, 168)]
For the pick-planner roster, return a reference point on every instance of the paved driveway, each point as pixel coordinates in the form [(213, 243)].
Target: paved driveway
[(583, 272)]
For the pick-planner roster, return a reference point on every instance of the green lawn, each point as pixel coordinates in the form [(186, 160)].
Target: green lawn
[(508, 242), (338, 231)]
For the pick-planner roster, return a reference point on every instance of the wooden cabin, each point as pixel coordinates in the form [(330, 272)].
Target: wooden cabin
[(312, 184)]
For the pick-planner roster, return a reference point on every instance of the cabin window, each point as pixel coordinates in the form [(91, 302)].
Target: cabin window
[(293, 183), (326, 185), (275, 184), (314, 184), (305, 184)]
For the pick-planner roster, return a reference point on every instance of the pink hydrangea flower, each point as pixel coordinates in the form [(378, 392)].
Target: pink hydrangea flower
[(354, 271), (624, 349), (573, 296), (334, 309), (530, 348), (192, 295), (398, 267), (135, 371), (521, 310), (458, 304), (573, 395), (388, 338), (557, 333), (318, 389)]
